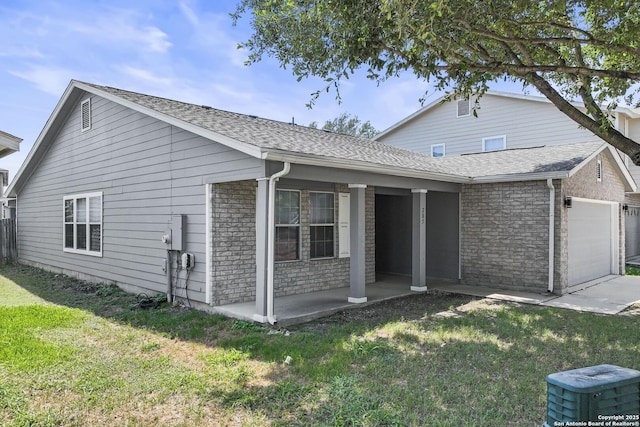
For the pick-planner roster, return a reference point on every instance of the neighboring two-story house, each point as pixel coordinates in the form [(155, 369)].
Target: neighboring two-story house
[(9, 144), (507, 121)]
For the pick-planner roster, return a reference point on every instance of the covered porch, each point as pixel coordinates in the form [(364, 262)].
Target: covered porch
[(362, 269), (300, 308)]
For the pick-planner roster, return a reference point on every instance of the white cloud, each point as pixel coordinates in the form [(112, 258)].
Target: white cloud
[(146, 76), (52, 80), (122, 27), (16, 51), (212, 33), (188, 13)]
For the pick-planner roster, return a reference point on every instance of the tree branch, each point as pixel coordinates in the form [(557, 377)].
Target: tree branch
[(590, 40), (609, 134), (521, 70)]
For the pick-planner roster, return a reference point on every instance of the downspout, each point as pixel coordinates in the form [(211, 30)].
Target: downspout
[(271, 231), (552, 217)]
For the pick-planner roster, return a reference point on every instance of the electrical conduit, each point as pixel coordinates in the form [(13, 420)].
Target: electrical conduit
[(271, 231)]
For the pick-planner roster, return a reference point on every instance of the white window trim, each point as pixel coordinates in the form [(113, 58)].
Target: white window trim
[(444, 151), (82, 114), (333, 224), (458, 115), (298, 225), (504, 142), (74, 197)]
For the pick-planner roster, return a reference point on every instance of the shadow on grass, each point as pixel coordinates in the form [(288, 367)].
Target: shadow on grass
[(428, 359)]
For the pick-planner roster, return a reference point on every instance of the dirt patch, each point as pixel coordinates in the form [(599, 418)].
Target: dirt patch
[(411, 307)]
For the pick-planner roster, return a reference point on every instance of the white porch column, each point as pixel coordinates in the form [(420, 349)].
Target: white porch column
[(262, 204), (357, 293), (419, 241)]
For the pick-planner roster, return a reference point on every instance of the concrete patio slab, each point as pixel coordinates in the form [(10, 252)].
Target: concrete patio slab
[(586, 303), (608, 295), (301, 308)]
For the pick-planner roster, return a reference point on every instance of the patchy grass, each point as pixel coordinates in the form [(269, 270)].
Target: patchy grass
[(632, 270), (74, 354)]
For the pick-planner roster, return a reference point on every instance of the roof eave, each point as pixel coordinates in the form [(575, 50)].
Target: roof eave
[(514, 177), (629, 183), (27, 166), (314, 160)]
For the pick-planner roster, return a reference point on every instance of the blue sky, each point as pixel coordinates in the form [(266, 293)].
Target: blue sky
[(181, 49)]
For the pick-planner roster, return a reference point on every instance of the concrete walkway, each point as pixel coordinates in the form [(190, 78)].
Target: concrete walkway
[(607, 295)]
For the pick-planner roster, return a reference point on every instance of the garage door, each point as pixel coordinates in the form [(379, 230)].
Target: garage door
[(593, 240)]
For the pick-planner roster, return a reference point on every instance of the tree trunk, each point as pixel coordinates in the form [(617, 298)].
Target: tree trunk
[(608, 134)]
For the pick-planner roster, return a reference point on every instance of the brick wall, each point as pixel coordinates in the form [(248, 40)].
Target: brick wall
[(505, 228), (505, 235), (234, 242), (308, 275), (234, 248)]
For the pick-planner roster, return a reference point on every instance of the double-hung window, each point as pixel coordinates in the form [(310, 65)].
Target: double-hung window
[(287, 238), (82, 230), (322, 230)]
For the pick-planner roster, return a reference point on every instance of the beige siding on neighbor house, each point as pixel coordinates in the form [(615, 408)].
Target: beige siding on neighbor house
[(633, 132), (525, 124)]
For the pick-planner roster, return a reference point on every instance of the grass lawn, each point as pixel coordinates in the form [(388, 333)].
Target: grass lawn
[(73, 354)]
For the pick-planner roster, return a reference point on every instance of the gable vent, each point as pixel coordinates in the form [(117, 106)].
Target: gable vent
[(464, 107), (85, 113), (599, 171)]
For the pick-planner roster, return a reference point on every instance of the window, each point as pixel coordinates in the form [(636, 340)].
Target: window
[(287, 239), (494, 143), (599, 171), (322, 224), (85, 115), (464, 108), (82, 232), (437, 150)]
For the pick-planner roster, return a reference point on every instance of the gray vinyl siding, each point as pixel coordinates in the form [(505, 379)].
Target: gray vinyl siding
[(147, 171), (525, 123)]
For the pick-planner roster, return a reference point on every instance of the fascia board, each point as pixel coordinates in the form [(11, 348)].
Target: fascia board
[(312, 160), (27, 165), (243, 147), (10, 141), (632, 186), (514, 177), (630, 183)]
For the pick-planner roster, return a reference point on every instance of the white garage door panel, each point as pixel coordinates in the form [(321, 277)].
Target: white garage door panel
[(590, 241)]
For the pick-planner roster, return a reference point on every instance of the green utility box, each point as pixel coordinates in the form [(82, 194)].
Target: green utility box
[(589, 394)]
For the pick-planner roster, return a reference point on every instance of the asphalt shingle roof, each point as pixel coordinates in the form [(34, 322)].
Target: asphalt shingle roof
[(270, 135), (555, 158)]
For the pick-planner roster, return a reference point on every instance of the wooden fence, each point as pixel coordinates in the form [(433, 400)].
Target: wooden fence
[(8, 246)]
